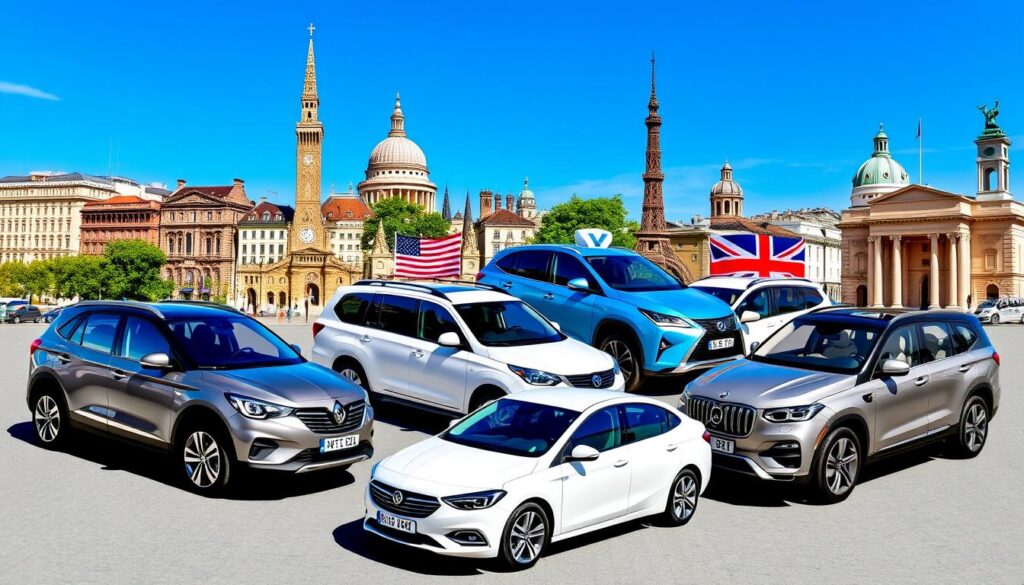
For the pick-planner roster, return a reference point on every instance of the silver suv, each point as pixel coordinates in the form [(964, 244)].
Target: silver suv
[(214, 387), (836, 388)]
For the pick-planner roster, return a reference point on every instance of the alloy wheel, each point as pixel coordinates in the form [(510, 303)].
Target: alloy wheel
[(352, 376), (202, 459), (684, 497), (995, 318), (526, 539), (622, 354), (841, 466), (976, 427), (47, 418)]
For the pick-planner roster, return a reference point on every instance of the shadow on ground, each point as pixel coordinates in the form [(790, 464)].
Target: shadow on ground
[(114, 455)]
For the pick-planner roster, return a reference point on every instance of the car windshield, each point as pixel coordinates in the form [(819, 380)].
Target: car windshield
[(986, 304), (632, 273), (726, 295), (505, 323), (230, 342), (827, 346), (513, 427)]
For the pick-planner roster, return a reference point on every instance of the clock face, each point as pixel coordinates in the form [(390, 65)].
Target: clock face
[(306, 235), (990, 151), (307, 160)]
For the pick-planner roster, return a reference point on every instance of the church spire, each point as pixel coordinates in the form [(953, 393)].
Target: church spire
[(310, 100), (397, 118), (469, 245), (446, 208)]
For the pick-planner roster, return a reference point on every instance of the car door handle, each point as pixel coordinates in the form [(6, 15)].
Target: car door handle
[(671, 447), (365, 339), (507, 284), (921, 381), (548, 296), (417, 353), (621, 463), (964, 368), (869, 397), (119, 375), (63, 357)]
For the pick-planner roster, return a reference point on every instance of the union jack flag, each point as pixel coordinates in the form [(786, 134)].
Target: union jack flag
[(746, 254)]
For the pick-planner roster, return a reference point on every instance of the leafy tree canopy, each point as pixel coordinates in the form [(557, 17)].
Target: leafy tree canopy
[(559, 225), (405, 218), (134, 271)]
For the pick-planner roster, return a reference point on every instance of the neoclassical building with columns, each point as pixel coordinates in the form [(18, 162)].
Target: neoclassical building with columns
[(906, 245)]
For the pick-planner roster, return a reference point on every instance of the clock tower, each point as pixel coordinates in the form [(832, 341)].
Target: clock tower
[(308, 226), (993, 159)]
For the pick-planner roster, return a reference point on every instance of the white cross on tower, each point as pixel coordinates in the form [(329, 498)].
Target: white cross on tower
[(311, 29)]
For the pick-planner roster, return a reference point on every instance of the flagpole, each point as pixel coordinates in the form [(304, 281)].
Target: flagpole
[(920, 152)]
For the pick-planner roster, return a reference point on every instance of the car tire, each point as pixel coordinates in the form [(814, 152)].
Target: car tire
[(36, 320), (683, 494), (994, 319), (627, 355), (837, 466), (50, 421), (17, 320), (204, 458), (972, 432), (525, 537)]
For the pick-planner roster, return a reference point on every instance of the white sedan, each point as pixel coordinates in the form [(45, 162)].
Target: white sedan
[(524, 471)]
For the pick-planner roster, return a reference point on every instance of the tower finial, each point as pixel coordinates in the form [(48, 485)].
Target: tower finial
[(652, 73), (311, 29), (309, 87), (397, 118)]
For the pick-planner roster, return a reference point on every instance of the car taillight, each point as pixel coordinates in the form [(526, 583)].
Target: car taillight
[(317, 327), (995, 358), (706, 436), (479, 276), (35, 345)]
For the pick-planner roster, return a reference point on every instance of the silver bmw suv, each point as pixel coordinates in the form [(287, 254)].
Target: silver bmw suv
[(214, 387), (836, 388)]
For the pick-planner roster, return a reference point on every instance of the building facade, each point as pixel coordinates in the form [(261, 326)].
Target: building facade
[(823, 239), (263, 233), (500, 227), (344, 214), (398, 168), (916, 246), (122, 217)]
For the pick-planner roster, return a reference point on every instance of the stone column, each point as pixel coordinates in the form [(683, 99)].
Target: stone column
[(951, 299), (876, 268), (964, 290), (871, 270), (933, 272), (897, 272)]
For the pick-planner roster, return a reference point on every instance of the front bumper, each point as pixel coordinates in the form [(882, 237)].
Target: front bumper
[(672, 351), (286, 444)]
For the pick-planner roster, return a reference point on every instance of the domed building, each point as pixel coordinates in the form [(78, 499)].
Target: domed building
[(726, 195), (398, 168), (526, 205), (879, 175)]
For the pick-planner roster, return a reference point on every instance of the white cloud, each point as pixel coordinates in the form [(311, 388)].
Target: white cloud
[(27, 91)]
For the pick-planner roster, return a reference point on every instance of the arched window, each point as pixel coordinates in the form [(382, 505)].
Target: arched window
[(188, 243), (989, 180)]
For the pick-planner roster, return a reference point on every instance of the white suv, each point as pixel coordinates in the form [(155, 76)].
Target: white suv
[(764, 304), (450, 347)]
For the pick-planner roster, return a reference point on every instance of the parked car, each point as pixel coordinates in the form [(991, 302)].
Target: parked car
[(1002, 310), (51, 315), (216, 388), (538, 467), (22, 313), (835, 389), (450, 347), (764, 304), (622, 303)]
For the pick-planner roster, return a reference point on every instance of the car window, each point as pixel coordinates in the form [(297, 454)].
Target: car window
[(826, 345), (141, 337), (511, 426), (758, 302), (812, 298), (568, 268), (435, 320), (901, 345), (644, 421), (726, 295), (507, 323), (231, 342), (99, 331), (532, 265), (937, 342), (398, 314), (352, 307), (963, 338), (600, 431), (67, 330), (632, 273), (787, 299)]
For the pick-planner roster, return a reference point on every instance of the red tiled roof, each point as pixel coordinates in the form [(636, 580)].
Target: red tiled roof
[(212, 191), (745, 225), (117, 200), (256, 215), (504, 217), (345, 208)]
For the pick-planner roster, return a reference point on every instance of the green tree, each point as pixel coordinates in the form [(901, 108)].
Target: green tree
[(10, 285), (405, 218), (35, 278), (559, 225), (134, 271), (79, 276)]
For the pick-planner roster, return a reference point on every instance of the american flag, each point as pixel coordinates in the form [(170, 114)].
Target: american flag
[(428, 258), (757, 255)]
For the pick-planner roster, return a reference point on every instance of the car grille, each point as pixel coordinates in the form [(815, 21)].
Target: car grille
[(586, 380), (728, 324), (729, 419), (412, 505), (321, 420)]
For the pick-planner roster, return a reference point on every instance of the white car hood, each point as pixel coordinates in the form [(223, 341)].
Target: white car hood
[(442, 468), (565, 358)]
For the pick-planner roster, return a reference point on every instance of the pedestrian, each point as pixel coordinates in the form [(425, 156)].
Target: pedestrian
[(289, 313)]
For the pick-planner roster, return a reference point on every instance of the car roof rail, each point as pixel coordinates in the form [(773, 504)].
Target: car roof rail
[(400, 284), (471, 283), (778, 278), (124, 303)]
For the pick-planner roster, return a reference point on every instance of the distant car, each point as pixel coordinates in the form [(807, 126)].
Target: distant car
[(450, 347), (764, 304), (22, 313), (217, 389), (1002, 310), (836, 388), (538, 467), (51, 315), (622, 303)]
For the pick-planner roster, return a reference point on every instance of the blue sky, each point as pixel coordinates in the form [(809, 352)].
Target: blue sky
[(790, 92)]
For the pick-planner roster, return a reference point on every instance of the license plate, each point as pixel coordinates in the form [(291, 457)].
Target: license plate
[(721, 343), (395, 522), (723, 445), (338, 443)]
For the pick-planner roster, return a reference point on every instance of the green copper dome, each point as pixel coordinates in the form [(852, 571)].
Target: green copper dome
[(881, 168)]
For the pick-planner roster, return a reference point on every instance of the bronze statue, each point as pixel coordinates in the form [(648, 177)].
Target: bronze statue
[(990, 115)]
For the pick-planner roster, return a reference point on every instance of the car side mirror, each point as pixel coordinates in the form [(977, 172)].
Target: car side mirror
[(895, 368), (754, 345), (578, 285), (157, 361), (453, 422), (749, 317), (449, 339), (297, 349), (583, 453)]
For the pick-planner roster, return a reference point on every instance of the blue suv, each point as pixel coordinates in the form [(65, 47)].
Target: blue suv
[(622, 303)]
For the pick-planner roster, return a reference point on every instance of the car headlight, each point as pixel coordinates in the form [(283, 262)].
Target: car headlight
[(536, 377), (792, 413), (663, 320), (476, 500), (252, 408)]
